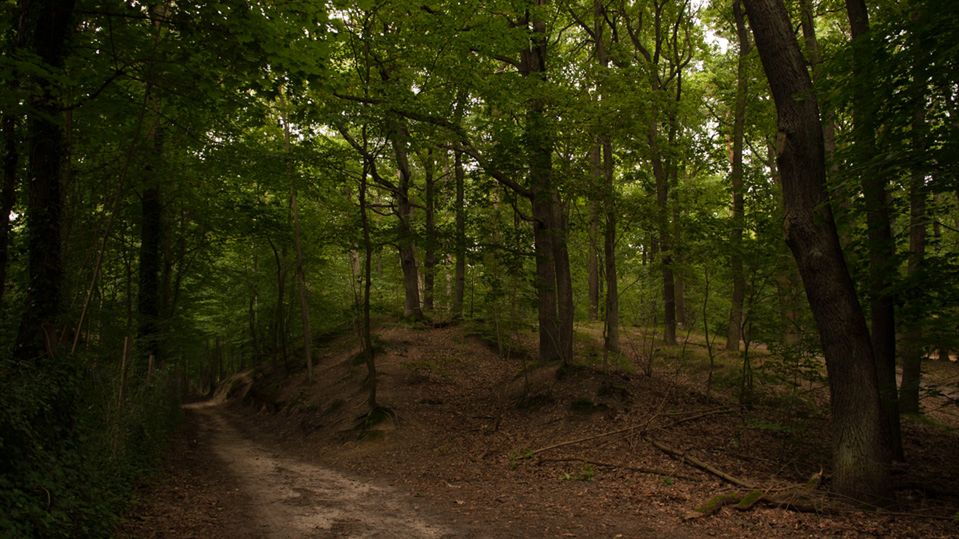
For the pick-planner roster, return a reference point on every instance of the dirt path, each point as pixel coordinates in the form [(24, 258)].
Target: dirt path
[(295, 499), (236, 487)]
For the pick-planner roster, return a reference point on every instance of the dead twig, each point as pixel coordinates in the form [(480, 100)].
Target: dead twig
[(637, 469), (643, 428)]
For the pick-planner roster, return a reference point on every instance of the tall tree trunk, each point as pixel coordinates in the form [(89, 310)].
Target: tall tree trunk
[(365, 330), (553, 281), (279, 319), (879, 230), (151, 223), (564, 280), (148, 291), (734, 330), (592, 249), (605, 144), (661, 176), (860, 462), (459, 281), (399, 138), (787, 280), (298, 246), (609, 253), (8, 193), (913, 353), (679, 282), (48, 23), (429, 257)]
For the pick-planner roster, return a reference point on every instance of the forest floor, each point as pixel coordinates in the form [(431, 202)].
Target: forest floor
[(478, 449)]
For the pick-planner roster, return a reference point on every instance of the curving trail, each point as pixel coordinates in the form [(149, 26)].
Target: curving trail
[(290, 498)]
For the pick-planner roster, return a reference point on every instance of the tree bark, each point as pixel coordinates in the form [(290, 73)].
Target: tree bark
[(605, 144), (592, 249), (553, 279), (734, 330), (913, 353), (609, 253), (860, 462), (429, 257), (881, 246), (298, 247), (8, 193), (664, 244), (399, 138), (459, 280), (47, 24), (365, 331)]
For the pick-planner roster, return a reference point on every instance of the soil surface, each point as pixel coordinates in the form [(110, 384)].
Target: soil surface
[(479, 444)]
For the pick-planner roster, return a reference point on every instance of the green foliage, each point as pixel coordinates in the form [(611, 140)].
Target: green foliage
[(585, 473), (70, 455)]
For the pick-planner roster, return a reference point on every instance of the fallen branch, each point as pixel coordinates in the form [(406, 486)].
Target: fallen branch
[(706, 467), (644, 428), (638, 469), (803, 498)]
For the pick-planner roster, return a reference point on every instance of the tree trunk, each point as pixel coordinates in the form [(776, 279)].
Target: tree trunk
[(860, 462), (365, 330), (606, 179), (609, 253), (429, 257), (459, 281), (592, 249), (8, 192), (48, 25), (913, 354), (553, 280), (734, 330), (564, 280), (399, 140), (148, 291), (879, 231), (298, 246), (279, 320), (664, 243)]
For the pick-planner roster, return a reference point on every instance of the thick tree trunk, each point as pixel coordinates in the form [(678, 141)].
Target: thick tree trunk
[(459, 280), (788, 281), (553, 279), (879, 230), (48, 23), (734, 330), (564, 280), (860, 462), (404, 208)]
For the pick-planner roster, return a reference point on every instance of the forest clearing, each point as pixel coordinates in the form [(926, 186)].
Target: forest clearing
[(474, 450), (482, 268)]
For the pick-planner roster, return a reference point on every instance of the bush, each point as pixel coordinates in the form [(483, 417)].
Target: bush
[(69, 451)]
